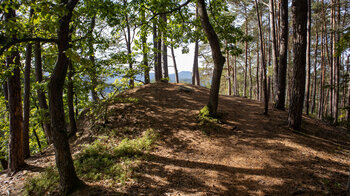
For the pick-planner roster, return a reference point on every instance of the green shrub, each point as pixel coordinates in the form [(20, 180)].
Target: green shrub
[(131, 148), (100, 161), (46, 182)]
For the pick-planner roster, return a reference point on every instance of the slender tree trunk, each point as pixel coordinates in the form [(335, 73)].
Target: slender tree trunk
[(274, 46), (155, 52), (195, 71), (315, 76), (165, 49), (250, 77), (219, 60), (246, 54), (336, 62), (322, 83), (128, 46), (26, 101), (228, 73), (146, 67), (41, 93), (68, 178), (175, 66), (266, 99), (308, 59), (283, 56), (92, 71), (299, 10), (70, 101), (235, 84), (159, 53), (257, 73), (16, 154)]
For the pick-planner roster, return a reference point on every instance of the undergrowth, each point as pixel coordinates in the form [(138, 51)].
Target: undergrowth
[(98, 161), (103, 161), (207, 122), (43, 184)]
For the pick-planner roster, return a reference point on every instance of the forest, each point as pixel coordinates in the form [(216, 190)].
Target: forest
[(89, 105)]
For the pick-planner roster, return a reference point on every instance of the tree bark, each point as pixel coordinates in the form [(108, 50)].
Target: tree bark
[(16, 155), (165, 49), (144, 45), (246, 54), (175, 66), (70, 101), (159, 53), (128, 46), (41, 93), (219, 59), (195, 72), (228, 73), (274, 46), (283, 57), (257, 73), (299, 10), (308, 58), (69, 181), (266, 99), (26, 101), (93, 63), (313, 105), (155, 52)]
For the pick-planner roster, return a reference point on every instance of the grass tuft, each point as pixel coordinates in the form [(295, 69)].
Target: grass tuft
[(43, 184)]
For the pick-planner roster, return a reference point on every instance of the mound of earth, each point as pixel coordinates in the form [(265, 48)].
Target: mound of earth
[(245, 153)]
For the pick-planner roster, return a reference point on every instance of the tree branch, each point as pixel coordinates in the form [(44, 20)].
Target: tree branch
[(23, 40)]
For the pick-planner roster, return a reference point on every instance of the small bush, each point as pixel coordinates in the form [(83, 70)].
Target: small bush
[(46, 182)]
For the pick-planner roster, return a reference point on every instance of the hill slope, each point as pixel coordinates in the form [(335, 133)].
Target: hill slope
[(245, 154)]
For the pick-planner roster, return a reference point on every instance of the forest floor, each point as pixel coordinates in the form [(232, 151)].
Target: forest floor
[(246, 153)]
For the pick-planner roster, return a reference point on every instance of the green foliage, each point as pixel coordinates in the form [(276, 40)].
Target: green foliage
[(42, 184), (101, 161), (127, 99), (134, 147)]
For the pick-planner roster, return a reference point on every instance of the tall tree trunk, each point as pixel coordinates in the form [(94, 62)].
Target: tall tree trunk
[(250, 77), (128, 46), (308, 59), (41, 93), (175, 66), (322, 83), (257, 73), (16, 155), (315, 76), (274, 46), (219, 60), (92, 71), (69, 181), (234, 74), (266, 99), (246, 54), (155, 52), (159, 53), (70, 101), (165, 49), (195, 71), (26, 101), (336, 20), (283, 57), (228, 73), (299, 10), (145, 65)]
